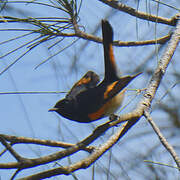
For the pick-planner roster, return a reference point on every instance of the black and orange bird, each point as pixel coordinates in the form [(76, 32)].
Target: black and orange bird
[(89, 100)]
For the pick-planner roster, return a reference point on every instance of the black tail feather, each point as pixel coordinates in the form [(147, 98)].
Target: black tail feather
[(107, 32), (110, 64)]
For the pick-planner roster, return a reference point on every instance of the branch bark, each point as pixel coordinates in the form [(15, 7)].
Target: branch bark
[(149, 17), (163, 140)]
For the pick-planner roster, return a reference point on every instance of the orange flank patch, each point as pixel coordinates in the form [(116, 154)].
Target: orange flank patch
[(109, 107), (98, 114), (109, 89)]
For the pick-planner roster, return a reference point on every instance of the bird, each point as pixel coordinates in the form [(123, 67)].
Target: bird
[(89, 99)]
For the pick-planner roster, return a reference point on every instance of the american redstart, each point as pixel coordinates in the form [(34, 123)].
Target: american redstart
[(88, 101)]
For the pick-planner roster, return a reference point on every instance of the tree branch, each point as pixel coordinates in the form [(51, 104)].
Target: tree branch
[(149, 17), (163, 140), (48, 30), (25, 140)]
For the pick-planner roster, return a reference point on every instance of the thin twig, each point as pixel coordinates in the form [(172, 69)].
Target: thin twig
[(163, 140), (32, 92)]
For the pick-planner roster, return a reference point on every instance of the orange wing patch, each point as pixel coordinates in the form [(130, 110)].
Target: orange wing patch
[(109, 89), (83, 81)]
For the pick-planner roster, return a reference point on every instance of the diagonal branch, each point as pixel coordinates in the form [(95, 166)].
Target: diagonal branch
[(86, 162), (154, 83), (11, 150), (27, 163), (163, 140), (25, 140), (149, 17)]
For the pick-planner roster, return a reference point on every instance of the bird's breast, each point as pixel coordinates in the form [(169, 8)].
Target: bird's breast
[(113, 104)]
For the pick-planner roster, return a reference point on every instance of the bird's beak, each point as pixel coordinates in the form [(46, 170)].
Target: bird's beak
[(53, 109)]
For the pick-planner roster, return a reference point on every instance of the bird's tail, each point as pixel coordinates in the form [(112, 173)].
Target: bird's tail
[(109, 60)]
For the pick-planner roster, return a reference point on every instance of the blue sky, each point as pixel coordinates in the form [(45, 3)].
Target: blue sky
[(27, 115)]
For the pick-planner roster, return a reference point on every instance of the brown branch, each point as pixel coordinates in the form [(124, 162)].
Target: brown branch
[(161, 40), (49, 31), (27, 163), (85, 163), (25, 140), (90, 37), (163, 140), (11, 150), (158, 74), (149, 17)]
